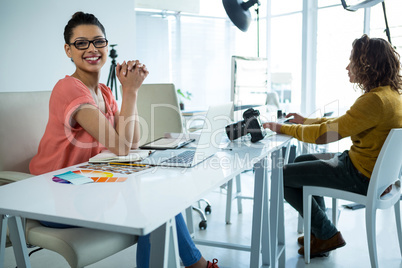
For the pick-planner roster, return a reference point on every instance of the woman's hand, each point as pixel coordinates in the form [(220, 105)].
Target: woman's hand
[(297, 118), (131, 75), (273, 126)]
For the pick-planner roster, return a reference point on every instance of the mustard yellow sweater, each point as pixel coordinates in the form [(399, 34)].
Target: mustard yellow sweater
[(367, 122)]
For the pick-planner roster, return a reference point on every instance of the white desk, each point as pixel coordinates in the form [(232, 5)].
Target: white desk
[(148, 202)]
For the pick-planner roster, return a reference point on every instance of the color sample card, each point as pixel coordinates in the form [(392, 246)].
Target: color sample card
[(74, 178), (99, 173), (121, 168), (100, 176)]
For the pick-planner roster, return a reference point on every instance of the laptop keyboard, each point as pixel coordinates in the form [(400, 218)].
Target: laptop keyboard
[(184, 157)]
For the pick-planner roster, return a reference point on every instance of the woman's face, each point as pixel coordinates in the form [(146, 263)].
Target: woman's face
[(91, 59), (350, 69)]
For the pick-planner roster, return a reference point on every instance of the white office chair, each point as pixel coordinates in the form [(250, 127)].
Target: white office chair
[(23, 118), (159, 113), (386, 172)]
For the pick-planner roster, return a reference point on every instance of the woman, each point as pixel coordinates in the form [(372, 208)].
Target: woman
[(375, 68), (84, 119)]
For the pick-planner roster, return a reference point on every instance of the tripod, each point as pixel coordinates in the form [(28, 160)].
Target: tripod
[(112, 73)]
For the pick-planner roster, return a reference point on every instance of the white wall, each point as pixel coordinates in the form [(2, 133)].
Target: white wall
[(32, 56)]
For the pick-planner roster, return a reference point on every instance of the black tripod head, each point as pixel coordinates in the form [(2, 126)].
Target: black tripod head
[(113, 53)]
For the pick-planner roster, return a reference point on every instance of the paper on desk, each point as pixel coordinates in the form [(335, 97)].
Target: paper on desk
[(74, 178), (108, 156)]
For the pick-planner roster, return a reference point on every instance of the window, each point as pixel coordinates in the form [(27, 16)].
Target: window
[(337, 29), (194, 51), (377, 22), (286, 48)]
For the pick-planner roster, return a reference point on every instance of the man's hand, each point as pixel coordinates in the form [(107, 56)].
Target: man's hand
[(273, 126), (297, 118)]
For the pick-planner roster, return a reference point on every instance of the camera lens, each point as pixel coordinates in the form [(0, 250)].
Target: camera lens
[(236, 130)]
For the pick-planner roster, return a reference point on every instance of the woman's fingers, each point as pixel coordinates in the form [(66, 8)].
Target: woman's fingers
[(132, 64), (123, 69), (131, 73), (144, 69)]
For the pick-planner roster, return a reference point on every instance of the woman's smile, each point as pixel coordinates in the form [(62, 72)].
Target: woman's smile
[(93, 59)]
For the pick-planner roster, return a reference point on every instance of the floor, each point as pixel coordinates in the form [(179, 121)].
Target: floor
[(351, 224)]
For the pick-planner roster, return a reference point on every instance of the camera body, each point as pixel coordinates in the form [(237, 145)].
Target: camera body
[(249, 125)]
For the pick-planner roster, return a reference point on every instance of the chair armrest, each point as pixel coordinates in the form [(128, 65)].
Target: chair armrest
[(7, 177)]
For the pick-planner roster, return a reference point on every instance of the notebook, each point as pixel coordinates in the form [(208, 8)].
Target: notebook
[(167, 143), (208, 143)]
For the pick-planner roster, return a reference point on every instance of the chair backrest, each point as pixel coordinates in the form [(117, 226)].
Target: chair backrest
[(158, 110), (387, 171), (23, 119), (272, 101)]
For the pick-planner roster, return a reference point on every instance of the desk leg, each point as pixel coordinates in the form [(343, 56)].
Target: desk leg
[(265, 240), (238, 192), (164, 246), (277, 211), (17, 237), (259, 208), (3, 238), (229, 200)]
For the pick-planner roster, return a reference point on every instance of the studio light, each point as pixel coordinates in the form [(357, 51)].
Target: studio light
[(239, 13), (360, 4)]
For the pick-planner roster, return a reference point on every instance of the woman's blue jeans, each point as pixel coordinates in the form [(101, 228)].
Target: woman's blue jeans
[(188, 252), (326, 170)]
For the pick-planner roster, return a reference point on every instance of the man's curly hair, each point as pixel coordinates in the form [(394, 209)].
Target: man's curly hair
[(375, 63)]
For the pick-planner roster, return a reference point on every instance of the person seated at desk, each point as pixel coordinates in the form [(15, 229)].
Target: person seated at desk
[(375, 68), (84, 119)]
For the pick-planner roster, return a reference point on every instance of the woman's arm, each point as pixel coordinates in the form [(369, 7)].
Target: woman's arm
[(118, 139), (136, 136)]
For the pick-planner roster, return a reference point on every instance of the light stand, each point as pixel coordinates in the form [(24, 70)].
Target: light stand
[(257, 11), (239, 14), (368, 4), (112, 81), (386, 23)]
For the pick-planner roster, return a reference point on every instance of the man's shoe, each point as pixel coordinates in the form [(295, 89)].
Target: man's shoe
[(300, 240), (212, 264), (320, 247)]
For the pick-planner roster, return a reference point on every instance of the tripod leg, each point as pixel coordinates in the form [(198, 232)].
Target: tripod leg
[(115, 82), (110, 74)]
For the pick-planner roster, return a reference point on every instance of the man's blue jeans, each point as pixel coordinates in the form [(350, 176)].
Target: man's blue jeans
[(327, 170)]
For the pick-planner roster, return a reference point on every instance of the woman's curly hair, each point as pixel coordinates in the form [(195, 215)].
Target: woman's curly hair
[(375, 63)]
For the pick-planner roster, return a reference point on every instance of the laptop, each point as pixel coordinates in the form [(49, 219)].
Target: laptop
[(207, 145)]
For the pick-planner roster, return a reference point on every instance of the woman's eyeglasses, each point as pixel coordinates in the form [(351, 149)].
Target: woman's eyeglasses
[(84, 44)]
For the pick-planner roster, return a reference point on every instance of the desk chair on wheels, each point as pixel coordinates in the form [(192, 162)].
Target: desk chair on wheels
[(386, 172), (23, 118), (159, 113)]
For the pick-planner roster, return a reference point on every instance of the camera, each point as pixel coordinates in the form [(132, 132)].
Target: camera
[(250, 125)]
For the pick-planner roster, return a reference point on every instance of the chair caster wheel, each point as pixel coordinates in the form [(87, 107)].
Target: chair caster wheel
[(203, 225), (208, 209)]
